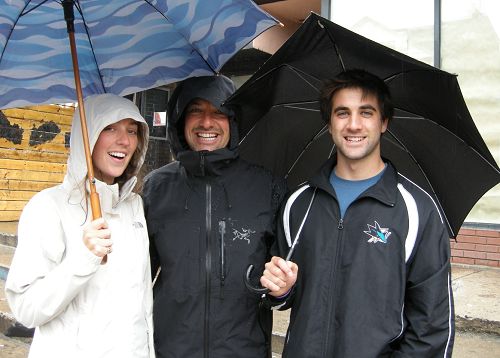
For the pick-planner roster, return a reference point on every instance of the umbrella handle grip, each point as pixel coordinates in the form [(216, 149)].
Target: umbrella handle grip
[(255, 289), (95, 204)]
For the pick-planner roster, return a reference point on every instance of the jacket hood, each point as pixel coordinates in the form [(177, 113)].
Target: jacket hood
[(214, 89), (100, 111)]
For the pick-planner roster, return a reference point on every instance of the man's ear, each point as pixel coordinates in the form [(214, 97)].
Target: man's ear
[(385, 124)]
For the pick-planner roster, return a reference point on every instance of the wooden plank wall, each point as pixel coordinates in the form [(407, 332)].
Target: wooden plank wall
[(33, 153)]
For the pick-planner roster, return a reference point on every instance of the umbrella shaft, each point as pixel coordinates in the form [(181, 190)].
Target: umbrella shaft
[(94, 196)]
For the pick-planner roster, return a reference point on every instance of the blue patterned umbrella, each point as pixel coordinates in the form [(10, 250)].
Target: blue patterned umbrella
[(124, 46), (54, 51)]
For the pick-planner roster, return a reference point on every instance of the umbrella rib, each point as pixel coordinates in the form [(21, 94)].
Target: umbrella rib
[(78, 7), (426, 179), (300, 73), (292, 105), (425, 70), (320, 132), (330, 36), (189, 42), (288, 105), (33, 8), (15, 23), (274, 69), (450, 133)]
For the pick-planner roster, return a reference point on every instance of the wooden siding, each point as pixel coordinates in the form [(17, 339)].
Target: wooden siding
[(33, 154)]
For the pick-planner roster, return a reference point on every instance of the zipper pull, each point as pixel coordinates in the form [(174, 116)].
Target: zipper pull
[(341, 224)]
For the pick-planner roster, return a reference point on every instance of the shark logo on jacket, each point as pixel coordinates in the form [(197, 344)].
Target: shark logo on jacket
[(377, 233), (244, 234)]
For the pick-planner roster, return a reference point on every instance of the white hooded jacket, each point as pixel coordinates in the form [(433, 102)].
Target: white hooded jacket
[(79, 307)]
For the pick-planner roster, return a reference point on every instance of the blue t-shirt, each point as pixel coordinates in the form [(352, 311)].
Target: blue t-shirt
[(348, 190)]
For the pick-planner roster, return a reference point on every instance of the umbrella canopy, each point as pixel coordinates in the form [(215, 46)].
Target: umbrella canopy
[(124, 46), (54, 51), (432, 139)]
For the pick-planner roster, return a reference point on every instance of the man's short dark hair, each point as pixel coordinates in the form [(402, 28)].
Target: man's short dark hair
[(366, 81)]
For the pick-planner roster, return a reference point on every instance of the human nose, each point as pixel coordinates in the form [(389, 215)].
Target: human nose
[(206, 120), (123, 138), (354, 121)]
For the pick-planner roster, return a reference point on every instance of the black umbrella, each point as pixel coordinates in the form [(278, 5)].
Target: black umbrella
[(432, 140)]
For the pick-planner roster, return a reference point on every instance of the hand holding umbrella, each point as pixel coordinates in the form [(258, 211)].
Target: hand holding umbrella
[(97, 237), (279, 276), (278, 271)]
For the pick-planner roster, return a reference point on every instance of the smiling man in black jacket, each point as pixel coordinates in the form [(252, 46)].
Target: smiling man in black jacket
[(374, 256), (210, 214)]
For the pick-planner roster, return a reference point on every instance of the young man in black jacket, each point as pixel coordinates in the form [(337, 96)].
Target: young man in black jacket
[(374, 256), (210, 214)]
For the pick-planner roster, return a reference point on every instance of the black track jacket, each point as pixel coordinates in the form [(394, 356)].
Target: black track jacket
[(375, 284)]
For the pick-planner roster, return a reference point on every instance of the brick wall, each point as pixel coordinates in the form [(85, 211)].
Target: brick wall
[(476, 246)]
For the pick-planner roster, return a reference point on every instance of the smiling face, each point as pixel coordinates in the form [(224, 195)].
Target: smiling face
[(205, 127), (114, 149), (356, 125)]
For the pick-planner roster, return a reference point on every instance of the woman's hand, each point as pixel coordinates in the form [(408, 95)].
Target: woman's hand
[(96, 236)]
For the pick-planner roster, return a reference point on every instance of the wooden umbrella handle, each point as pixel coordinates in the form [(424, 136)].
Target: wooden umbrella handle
[(94, 196)]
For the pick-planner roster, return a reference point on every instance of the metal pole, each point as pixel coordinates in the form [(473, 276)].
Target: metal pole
[(437, 33), (326, 8)]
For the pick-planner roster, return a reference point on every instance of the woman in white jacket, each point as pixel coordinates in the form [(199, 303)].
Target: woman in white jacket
[(56, 283)]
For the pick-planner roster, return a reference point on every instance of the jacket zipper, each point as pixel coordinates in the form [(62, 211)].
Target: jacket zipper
[(208, 260), (208, 267), (340, 227), (222, 231)]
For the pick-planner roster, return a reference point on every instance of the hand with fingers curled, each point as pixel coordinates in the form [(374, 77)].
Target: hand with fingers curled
[(279, 276), (96, 237)]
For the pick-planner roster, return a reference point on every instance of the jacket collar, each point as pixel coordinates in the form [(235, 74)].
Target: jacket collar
[(109, 195), (207, 163), (385, 190)]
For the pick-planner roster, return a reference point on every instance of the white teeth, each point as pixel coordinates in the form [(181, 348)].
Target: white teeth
[(207, 135), (354, 139), (117, 154)]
